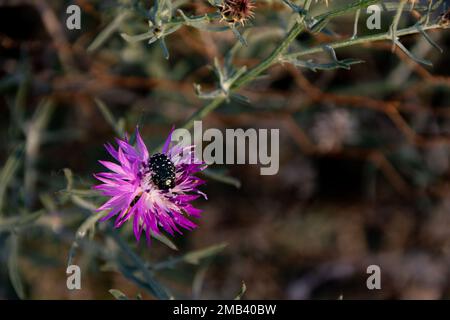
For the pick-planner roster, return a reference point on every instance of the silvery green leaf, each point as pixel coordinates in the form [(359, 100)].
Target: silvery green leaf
[(228, 61), (193, 22), (13, 266), (83, 203), (85, 227), (294, 7), (69, 178), (163, 239), (119, 295), (237, 75), (345, 64), (108, 31), (240, 98), (238, 34), (152, 40), (154, 12), (214, 28), (393, 5), (241, 292), (202, 22), (139, 37), (139, 8), (9, 170), (215, 3), (428, 38), (218, 70), (148, 281), (18, 222), (319, 25), (221, 177), (310, 64), (193, 257), (412, 56), (163, 46), (171, 29), (109, 117), (210, 95)]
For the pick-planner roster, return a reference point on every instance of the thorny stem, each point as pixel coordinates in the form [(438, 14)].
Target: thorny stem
[(394, 26), (251, 74), (256, 71), (201, 113), (364, 39), (274, 57), (277, 55)]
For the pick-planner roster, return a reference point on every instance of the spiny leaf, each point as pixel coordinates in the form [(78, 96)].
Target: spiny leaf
[(164, 48), (200, 22), (428, 38), (238, 35), (108, 31), (139, 37), (119, 295), (412, 56), (69, 178)]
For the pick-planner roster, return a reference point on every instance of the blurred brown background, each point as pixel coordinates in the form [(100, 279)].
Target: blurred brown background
[(364, 155)]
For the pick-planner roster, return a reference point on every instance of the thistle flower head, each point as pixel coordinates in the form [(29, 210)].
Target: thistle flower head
[(445, 19), (154, 191), (237, 11)]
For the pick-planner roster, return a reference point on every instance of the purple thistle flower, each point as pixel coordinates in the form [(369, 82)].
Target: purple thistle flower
[(154, 191)]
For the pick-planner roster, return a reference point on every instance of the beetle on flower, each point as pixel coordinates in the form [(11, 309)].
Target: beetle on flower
[(153, 191)]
